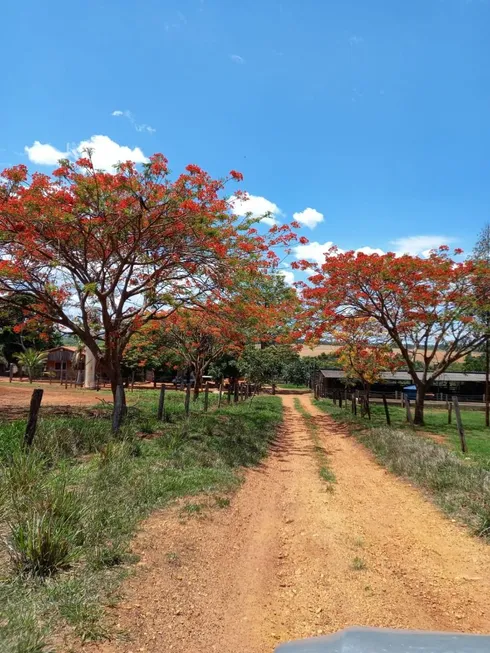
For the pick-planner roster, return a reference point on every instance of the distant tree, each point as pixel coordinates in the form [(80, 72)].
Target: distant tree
[(266, 365), (200, 336), (429, 307), (365, 351), (149, 349), (474, 364), (21, 330), (481, 251), (481, 254)]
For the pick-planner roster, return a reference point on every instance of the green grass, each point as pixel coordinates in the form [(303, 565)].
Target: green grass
[(358, 564), (459, 485), (436, 422), (292, 386), (321, 455), (70, 507)]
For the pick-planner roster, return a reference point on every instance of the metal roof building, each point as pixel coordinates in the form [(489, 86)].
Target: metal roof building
[(447, 377)]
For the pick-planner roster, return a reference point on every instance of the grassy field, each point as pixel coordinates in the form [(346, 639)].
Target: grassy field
[(70, 506), (459, 484), (436, 423)]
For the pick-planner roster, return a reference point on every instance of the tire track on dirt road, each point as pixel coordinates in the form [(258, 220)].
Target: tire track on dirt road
[(289, 559)]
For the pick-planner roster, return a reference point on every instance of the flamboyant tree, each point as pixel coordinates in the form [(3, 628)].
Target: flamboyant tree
[(428, 307), (226, 321), (202, 335), (149, 349), (364, 351), (21, 330), (101, 254)]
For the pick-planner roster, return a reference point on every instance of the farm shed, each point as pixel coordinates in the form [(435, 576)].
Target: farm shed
[(468, 386)]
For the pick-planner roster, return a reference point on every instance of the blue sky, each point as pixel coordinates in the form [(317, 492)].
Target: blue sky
[(374, 114)]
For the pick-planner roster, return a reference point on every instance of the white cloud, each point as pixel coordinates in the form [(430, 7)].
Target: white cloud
[(309, 217), (420, 245), (140, 127), (369, 250), (288, 276), (313, 251), (106, 153), (44, 154), (236, 58), (256, 206), (317, 251)]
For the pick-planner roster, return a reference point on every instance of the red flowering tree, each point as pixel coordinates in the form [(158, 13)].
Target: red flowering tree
[(364, 351), (258, 308), (426, 306), (199, 336), (102, 254), (148, 350)]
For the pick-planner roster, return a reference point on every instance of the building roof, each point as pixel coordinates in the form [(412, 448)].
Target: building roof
[(66, 347), (459, 377)]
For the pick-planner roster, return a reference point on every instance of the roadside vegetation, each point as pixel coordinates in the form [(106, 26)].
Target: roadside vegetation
[(436, 424), (321, 455), (459, 486), (71, 504)]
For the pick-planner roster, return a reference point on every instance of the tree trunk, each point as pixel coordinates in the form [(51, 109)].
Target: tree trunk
[(119, 397), (419, 405), (197, 388)]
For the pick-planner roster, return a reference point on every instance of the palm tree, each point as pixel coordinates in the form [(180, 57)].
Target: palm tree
[(32, 361)]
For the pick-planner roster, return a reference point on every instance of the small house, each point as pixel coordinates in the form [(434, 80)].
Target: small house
[(61, 362)]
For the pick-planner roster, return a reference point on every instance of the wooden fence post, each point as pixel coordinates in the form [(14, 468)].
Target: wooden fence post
[(409, 411), (30, 431), (340, 398), (187, 404), (206, 397), (161, 404), (367, 406), (459, 422), (449, 413), (220, 393), (229, 391), (387, 412), (237, 392)]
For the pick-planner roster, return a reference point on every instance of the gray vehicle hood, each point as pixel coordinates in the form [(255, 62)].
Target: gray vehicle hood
[(373, 640)]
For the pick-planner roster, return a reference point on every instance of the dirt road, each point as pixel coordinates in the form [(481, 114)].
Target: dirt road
[(289, 559)]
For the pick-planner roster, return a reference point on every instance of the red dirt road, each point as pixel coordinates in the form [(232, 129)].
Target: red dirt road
[(289, 559), (19, 395)]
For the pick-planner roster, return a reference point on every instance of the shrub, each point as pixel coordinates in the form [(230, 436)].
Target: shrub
[(43, 517)]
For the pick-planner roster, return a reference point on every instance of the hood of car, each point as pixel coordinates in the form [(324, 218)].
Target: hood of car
[(373, 640)]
